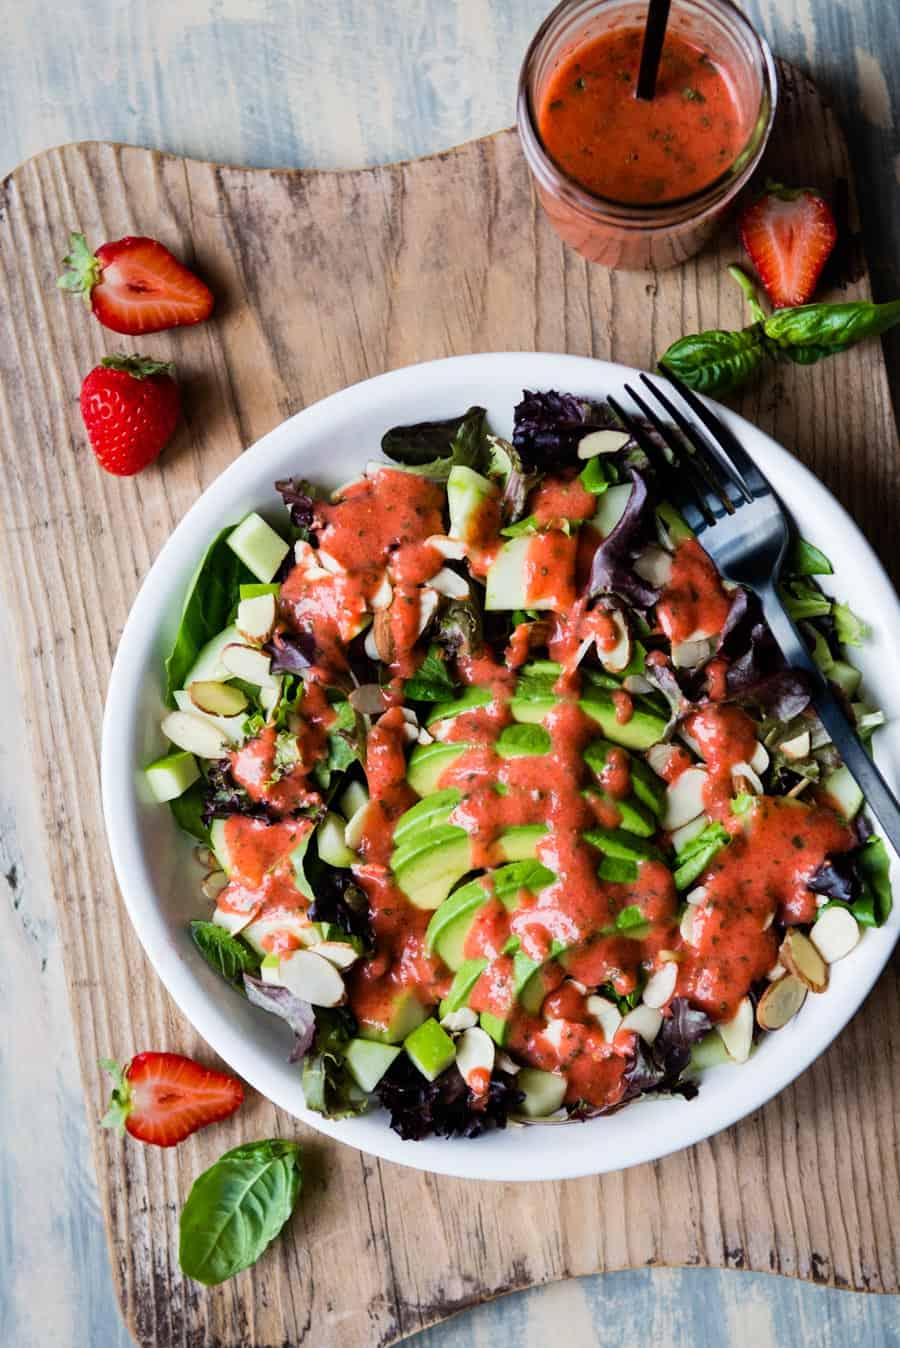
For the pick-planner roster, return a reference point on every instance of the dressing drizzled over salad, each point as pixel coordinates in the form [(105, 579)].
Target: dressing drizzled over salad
[(508, 804)]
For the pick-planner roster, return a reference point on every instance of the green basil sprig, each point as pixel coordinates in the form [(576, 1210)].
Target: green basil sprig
[(720, 360), (237, 1207), (227, 954)]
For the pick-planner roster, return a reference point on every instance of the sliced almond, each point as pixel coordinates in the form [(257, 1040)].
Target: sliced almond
[(777, 971), (660, 986), (800, 746), (834, 934), (759, 759), (423, 737), (230, 727), (475, 1058), (383, 636), (456, 1021), (686, 926), (269, 698), (744, 776), (780, 1002), (602, 442), (658, 756), (195, 735), (205, 858), (682, 836), (737, 1034), (616, 659), (452, 548), (684, 798), (370, 646), (449, 584), (645, 1021), (801, 958), (607, 1015), (654, 566), (696, 895), (553, 1033), (217, 699), (691, 654), (213, 884), (383, 595), (428, 607), (339, 953), (233, 922), (256, 618), (331, 564), (248, 664), (504, 1063), (356, 824), (312, 978)]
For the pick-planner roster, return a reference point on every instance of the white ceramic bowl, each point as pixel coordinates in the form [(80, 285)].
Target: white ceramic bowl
[(159, 881)]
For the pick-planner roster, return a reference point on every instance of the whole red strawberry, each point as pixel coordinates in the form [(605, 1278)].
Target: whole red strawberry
[(162, 1098), (788, 234), (130, 407), (135, 285)]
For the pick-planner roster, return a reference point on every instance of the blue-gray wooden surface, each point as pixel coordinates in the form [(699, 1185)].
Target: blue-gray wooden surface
[(289, 83)]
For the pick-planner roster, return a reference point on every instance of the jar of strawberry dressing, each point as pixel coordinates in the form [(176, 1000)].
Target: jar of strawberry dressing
[(632, 183)]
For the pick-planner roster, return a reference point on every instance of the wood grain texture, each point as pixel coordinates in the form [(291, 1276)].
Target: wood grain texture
[(373, 272)]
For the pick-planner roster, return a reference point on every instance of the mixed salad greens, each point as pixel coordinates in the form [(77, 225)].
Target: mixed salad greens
[(507, 803)]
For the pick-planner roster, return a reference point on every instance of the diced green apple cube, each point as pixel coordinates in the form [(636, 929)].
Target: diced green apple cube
[(367, 1061), (430, 1048), (170, 776), (258, 546)]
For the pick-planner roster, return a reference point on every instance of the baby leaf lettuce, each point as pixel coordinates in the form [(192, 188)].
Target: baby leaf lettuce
[(237, 1207), (211, 598), (280, 1001), (227, 954), (432, 448)]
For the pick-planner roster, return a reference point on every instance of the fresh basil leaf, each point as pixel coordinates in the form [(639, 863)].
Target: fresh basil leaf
[(849, 629), (431, 681), (432, 448), (630, 919), (805, 559), (237, 1207), (187, 810), (875, 868), (828, 328), (211, 597), (717, 361), (227, 954)]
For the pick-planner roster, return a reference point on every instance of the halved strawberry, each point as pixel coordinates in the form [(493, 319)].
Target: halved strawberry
[(162, 1098), (788, 234), (135, 285)]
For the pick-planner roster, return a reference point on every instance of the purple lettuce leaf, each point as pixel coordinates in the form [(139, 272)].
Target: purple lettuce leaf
[(444, 1107), (339, 899), (299, 497), (291, 652), (280, 1001), (548, 427), (223, 796), (613, 566), (837, 878)]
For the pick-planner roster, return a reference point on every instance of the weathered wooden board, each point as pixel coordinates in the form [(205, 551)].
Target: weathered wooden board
[(323, 279)]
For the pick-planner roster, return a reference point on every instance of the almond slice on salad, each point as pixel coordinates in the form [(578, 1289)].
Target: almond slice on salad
[(744, 776), (217, 699), (801, 958), (256, 617), (383, 596), (684, 798), (233, 922), (660, 986), (799, 746), (456, 1021), (269, 698), (737, 1034), (602, 442), (780, 1002), (691, 654), (645, 1021), (475, 1055), (696, 896), (834, 934), (454, 549), (213, 884), (449, 584), (249, 664), (777, 971), (759, 759), (382, 633), (339, 953), (312, 978), (331, 564), (194, 735), (686, 925), (616, 659), (428, 607), (654, 565), (682, 836), (658, 756), (607, 1015)]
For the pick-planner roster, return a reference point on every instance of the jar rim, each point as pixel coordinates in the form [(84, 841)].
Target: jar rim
[(645, 215)]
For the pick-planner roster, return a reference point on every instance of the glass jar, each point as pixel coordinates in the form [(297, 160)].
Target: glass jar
[(661, 234)]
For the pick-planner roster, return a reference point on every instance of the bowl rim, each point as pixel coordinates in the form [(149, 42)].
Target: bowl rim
[(498, 1155)]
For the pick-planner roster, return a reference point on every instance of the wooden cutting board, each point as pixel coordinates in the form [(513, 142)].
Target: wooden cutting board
[(324, 279)]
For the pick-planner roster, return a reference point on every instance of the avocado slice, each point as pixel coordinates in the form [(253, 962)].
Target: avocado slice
[(466, 492), (429, 762), (618, 871), (528, 991), (330, 841), (649, 789), (643, 729), (406, 1012), (367, 1061), (633, 818), (447, 931), (467, 975), (431, 810), (510, 880), (430, 1048), (474, 696), (427, 869), (622, 846)]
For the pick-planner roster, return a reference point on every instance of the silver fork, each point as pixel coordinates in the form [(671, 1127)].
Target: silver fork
[(729, 503)]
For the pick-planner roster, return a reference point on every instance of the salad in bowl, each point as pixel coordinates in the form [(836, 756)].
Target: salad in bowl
[(502, 799)]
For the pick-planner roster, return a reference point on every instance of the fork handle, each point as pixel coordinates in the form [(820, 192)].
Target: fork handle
[(878, 794)]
